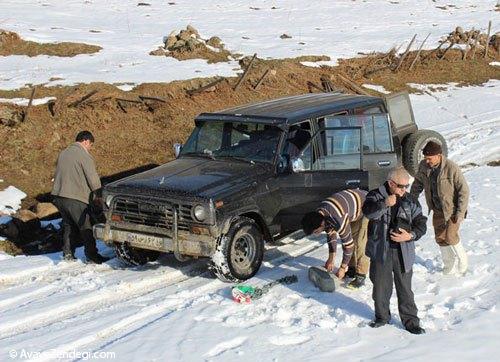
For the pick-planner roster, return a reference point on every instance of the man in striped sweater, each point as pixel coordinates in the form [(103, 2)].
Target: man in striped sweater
[(341, 217)]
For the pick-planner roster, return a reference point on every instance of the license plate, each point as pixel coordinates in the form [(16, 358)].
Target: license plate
[(146, 241)]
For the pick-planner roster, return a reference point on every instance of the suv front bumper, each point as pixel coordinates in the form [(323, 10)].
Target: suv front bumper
[(189, 244)]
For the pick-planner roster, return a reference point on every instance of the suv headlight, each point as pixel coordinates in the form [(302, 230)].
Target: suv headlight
[(200, 213), (108, 200)]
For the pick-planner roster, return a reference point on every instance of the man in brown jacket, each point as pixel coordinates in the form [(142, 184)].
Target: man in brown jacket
[(76, 177), (447, 195)]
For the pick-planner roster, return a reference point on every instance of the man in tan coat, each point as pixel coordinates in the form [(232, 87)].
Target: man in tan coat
[(75, 178), (447, 195)]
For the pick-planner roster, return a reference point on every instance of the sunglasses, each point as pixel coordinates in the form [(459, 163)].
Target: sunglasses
[(403, 187)]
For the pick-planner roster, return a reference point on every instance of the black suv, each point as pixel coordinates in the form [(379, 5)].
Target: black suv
[(247, 175)]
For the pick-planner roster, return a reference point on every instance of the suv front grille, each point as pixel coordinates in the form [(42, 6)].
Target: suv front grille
[(152, 214)]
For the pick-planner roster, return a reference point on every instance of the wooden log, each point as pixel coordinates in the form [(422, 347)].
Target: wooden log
[(311, 85), (261, 80), (475, 46), (245, 73), (353, 86), (418, 52), (99, 100), (375, 70), (405, 53), (83, 99), (155, 99), (205, 87), (120, 105), (51, 107), (487, 40), (27, 111), (128, 100), (446, 50), (327, 85), (435, 50)]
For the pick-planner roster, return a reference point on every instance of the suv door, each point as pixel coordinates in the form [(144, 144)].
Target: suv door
[(378, 149), (339, 165), (330, 162), (401, 113), (295, 188)]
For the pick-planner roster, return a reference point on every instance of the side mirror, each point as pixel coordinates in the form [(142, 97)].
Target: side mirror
[(177, 149), (298, 165)]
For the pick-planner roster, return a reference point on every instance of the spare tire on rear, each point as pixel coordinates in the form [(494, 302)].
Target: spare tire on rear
[(412, 148)]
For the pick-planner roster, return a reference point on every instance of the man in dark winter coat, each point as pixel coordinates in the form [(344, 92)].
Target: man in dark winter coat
[(75, 178), (396, 222)]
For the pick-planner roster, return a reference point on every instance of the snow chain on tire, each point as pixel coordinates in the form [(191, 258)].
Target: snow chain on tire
[(133, 256), (412, 148), (221, 263)]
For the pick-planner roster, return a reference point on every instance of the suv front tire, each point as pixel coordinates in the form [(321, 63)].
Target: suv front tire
[(239, 253)]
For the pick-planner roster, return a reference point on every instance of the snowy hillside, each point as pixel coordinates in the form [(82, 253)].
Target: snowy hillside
[(168, 311), (128, 32)]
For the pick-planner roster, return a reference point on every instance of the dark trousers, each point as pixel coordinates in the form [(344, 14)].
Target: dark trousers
[(76, 221), (382, 276)]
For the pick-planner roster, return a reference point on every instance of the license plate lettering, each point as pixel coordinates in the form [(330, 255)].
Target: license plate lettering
[(145, 240)]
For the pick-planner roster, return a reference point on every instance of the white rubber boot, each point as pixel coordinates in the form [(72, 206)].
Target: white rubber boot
[(462, 258), (449, 259)]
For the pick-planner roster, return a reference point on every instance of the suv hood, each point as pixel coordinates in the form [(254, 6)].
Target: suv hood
[(193, 177)]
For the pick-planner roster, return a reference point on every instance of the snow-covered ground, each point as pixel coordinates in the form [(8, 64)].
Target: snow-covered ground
[(128, 32), (170, 312)]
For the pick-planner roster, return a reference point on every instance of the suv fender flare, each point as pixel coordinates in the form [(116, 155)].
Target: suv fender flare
[(251, 214)]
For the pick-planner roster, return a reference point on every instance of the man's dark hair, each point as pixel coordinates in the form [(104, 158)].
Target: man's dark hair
[(84, 136), (311, 221)]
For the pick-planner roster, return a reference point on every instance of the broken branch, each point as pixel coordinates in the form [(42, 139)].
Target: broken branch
[(245, 73)]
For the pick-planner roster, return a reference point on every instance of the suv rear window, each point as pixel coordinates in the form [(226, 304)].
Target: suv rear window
[(375, 130)]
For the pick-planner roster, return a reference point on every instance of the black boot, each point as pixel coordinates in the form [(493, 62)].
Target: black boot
[(357, 282), (351, 272), (96, 259), (416, 330), (377, 323)]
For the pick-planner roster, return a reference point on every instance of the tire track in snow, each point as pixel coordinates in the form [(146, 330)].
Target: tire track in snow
[(48, 273), (115, 331), (58, 273), (123, 292)]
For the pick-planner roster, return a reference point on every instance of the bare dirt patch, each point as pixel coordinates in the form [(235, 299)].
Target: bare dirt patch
[(12, 44), (138, 128)]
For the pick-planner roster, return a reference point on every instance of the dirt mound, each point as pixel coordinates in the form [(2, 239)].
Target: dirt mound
[(12, 44), (187, 44)]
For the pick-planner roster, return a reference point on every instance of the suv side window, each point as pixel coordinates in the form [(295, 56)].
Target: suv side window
[(382, 134), (341, 149), (375, 130), (298, 138)]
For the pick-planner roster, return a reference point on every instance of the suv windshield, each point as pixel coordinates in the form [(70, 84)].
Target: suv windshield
[(239, 140)]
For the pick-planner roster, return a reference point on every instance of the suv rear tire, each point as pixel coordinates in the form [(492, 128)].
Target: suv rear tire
[(239, 253), (412, 148), (134, 256)]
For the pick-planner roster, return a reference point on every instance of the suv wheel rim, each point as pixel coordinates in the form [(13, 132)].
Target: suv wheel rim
[(244, 252)]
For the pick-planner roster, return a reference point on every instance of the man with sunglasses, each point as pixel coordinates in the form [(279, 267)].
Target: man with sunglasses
[(396, 222), (447, 195)]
